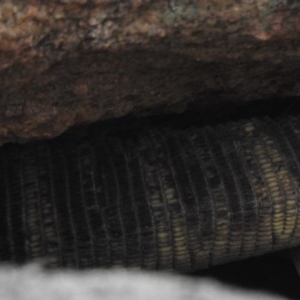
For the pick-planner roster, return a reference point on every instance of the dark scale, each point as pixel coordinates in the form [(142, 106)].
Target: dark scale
[(152, 197)]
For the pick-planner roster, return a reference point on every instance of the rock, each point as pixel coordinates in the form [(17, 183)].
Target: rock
[(32, 283), (65, 62)]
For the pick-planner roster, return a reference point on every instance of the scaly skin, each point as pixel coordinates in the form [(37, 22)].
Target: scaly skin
[(153, 197)]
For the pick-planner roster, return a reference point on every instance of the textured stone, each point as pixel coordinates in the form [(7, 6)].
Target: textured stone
[(72, 61)]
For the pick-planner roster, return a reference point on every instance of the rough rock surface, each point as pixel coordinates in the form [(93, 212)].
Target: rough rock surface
[(70, 61)]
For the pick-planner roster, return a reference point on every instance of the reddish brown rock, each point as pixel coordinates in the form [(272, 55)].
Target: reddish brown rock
[(70, 61)]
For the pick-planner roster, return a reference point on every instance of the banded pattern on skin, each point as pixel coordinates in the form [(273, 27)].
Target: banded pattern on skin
[(153, 197)]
